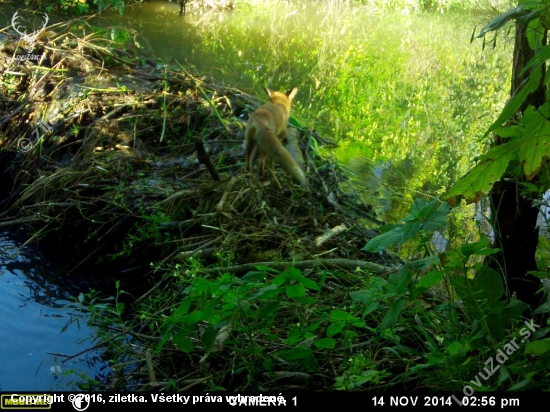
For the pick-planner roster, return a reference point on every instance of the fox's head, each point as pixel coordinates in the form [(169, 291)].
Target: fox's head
[(282, 98)]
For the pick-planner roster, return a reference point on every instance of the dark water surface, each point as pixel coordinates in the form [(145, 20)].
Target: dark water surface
[(32, 300)]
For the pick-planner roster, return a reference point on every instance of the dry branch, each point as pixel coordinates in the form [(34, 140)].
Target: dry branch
[(336, 264)]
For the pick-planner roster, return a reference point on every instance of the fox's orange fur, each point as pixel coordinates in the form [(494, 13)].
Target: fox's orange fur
[(265, 129)]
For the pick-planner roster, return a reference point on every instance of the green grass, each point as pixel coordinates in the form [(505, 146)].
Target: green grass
[(329, 330), (407, 96)]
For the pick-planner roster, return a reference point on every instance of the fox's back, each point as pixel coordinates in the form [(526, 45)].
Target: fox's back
[(271, 116)]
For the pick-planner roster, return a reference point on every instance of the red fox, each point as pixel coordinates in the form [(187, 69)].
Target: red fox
[(266, 127)]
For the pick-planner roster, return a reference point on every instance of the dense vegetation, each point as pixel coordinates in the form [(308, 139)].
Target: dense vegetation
[(432, 322), (441, 6)]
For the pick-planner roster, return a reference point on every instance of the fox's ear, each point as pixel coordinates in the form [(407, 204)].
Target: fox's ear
[(268, 92), (291, 94)]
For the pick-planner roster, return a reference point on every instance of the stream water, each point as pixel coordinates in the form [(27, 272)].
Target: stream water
[(33, 301)]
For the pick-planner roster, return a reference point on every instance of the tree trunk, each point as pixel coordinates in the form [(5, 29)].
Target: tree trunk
[(513, 216)]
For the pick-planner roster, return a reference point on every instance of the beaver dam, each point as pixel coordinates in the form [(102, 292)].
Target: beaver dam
[(112, 159)]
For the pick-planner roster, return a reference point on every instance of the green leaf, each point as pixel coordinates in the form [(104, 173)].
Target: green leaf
[(454, 348), (183, 342), (308, 283), (120, 307), (513, 311), (496, 325), (431, 279), (295, 353), (533, 34), (359, 323), (400, 280), (293, 271), (253, 277), (208, 338), (437, 219), (340, 315), (270, 290), (489, 281), (270, 308), (501, 20), (487, 251), (193, 318), (325, 343), (363, 296), (370, 308), (470, 249), (384, 240), (294, 336), (479, 181), (504, 375), (410, 229), (509, 131), (121, 36), (334, 329), (538, 347), (389, 226), (294, 291), (530, 17), (422, 209), (183, 308), (422, 264), (534, 147), (392, 314), (305, 300), (377, 284), (520, 385), (530, 188), (366, 297), (211, 305), (313, 327), (540, 56), (165, 330), (515, 103)]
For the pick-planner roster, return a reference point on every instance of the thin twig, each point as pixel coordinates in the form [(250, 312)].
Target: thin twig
[(343, 264)]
